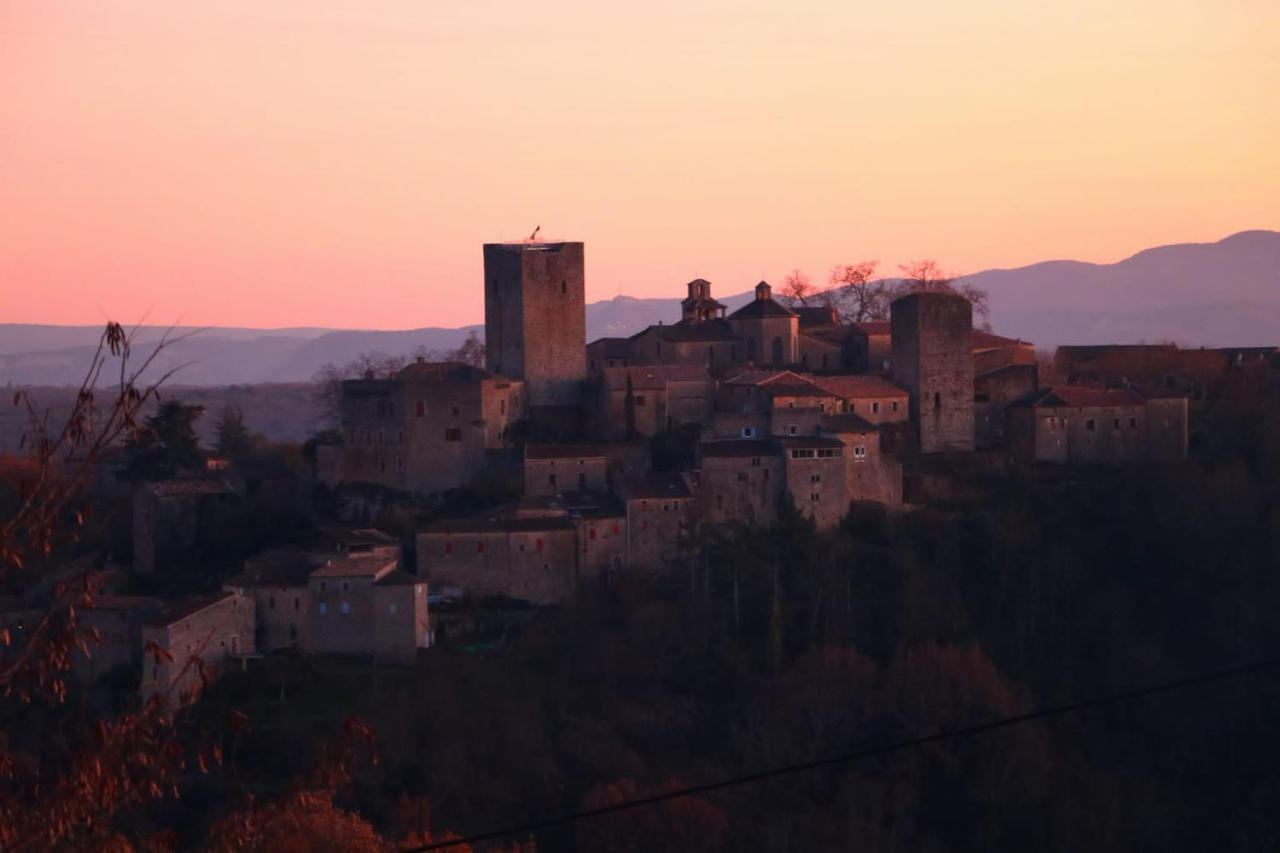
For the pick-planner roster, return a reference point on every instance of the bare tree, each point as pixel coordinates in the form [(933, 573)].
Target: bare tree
[(857, 297), (798, 289), (926, 276)]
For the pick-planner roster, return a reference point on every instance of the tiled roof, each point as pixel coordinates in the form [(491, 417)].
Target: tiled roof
[(815, 316), (611, 347), (848, 422), (354, 567), (1006, 368), (1080, 396), (760, 309), (658, 485), (180, 610), (443, 371), (853, 386), (652, 377), (986, 340), (349, 536), (709, 331), (565, 451), (757, 377), (398, 577)]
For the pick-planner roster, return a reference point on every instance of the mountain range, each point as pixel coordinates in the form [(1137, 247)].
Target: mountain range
[(1225, 293)]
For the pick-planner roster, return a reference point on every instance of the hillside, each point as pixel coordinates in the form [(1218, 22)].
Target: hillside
[(1198, 294)]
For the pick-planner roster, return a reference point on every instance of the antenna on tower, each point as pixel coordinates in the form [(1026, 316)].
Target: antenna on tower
[(534, 235)]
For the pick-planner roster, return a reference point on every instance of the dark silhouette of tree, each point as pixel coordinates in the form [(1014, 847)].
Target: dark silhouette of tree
[(167, 442), (233, 438)]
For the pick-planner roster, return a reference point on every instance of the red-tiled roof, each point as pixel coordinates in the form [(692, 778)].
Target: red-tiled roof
[(398, 577), (855, 386)]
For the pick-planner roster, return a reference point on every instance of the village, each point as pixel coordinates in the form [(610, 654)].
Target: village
[(621, 457)]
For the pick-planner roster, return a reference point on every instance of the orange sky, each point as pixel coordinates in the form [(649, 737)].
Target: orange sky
[(281, 163)]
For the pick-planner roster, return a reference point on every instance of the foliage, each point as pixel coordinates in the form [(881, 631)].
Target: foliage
[(167, 443)]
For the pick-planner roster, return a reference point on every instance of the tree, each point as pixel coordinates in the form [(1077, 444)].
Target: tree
[(855, 296), (471, 351), (367, 365), (798, 289), (167, 442), (927, 277), (233, 438)]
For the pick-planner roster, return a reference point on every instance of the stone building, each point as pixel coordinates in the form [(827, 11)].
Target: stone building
[(197, 638), (871, 346), (870, 396), (119, 621), (169, 517), (276, 582), (608, 352), (816, 477), (993, 392), (659, 512), (535, 318), (1081, 425), (501, 553), (770, 331), (932, 336), (368, 605), (870, 474), (992, 352), (553, 468), (650, 399), (712, 343), (740, 481), (1167, 367), (429, 429)]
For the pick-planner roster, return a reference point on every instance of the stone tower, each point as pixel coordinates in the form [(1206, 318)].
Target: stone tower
[(933, 359), (535, 321)]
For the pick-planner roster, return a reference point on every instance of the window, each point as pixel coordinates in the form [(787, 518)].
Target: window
[(860, 453), (346, 587), (748, 432), (399, 463), (1090, 425), (271, 602), (1116, 424), (455, 411), (563, 288), (345, 608), (502, 407), (893, 406), (297, 604), (829, 453), (802, 453), (592, 533), (719, 501), (814, 497), (391, 608), (742, 477), (937, 400), (582, 480), (640, 401), (448, 547), (551, 479), (1133, 423), (791, 430), (382, 464), (422, 408), (815, 478), (479, 547), (537, 546), (293, 631), (766, 475), (755, 461), (322, 586), (875, 408), (324, 609), (453, 434)]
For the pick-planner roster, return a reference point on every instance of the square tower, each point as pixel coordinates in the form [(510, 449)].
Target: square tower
[(932, 336), (535, 318)]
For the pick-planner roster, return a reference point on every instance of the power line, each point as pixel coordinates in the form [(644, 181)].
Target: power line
[(865, 752)]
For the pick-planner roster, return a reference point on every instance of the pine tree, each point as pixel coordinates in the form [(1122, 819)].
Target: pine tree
[(233, 438)]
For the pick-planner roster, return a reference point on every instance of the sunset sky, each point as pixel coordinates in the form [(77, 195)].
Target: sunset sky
[(275, 163)]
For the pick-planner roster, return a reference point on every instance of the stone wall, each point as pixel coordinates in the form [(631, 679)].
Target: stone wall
[(932, 359)]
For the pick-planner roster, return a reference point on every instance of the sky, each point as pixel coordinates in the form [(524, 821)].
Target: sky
[(339, 163)]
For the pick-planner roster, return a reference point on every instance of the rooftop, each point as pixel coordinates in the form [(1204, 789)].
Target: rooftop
[(443, 371), (398, 577), (355, 567), (852, 386), (1080, 396), (566, 451), (658, 485), (179, 610), (760, 309), (730, 448), (847, 423), (709, 331)]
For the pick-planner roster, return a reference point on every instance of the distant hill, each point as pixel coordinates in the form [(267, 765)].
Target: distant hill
[(1198, 294)]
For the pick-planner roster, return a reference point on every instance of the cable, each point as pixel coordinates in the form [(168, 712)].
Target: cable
[(866, 752)]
